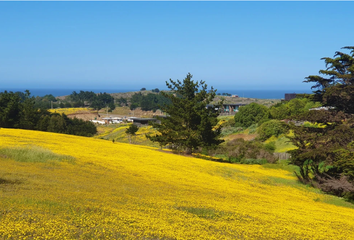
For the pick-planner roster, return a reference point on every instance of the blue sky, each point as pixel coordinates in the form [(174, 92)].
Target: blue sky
[(129, 45)]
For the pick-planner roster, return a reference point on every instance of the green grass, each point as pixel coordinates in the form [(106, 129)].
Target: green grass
[(282, 143), (33, 154), (337, 201), (283, 165)]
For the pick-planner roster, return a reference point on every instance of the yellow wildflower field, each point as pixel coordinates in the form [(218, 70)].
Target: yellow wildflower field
[(124, 191), (68, 111)]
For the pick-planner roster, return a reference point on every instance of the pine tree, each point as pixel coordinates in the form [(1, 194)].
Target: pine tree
[(189, 123)]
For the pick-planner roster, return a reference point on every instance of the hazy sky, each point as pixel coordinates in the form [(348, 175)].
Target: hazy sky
[(230, 45)]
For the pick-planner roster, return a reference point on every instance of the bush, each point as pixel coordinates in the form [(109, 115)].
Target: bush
[(239, 150), (270, 146), (291, 108), (251, 114), (271, 128)]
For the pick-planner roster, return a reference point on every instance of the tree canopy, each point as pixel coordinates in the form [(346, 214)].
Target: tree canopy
[(96, 101), (324, 153), (335, 87), (189, 123), (149, 102)]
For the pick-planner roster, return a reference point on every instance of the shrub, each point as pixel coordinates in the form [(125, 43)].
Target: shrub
[(270, 146), (271, 128), (251, 114), (239, 150), (252, 128)]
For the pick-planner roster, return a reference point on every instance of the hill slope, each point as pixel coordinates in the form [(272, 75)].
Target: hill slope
[(116, 190)]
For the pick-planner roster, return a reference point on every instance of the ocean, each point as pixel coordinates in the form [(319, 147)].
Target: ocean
[(261, 94)]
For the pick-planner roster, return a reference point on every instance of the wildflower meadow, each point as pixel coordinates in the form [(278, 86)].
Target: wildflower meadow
[(84, 188)]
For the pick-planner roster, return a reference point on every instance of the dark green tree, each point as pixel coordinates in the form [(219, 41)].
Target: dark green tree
[(10, 109), (324, 153), (18, 110), (122, 101), (335, 86), (29, 114), (189, 124), (131, 132)]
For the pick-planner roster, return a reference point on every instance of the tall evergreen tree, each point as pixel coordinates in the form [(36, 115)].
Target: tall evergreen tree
[(189, 123), (324, 153)]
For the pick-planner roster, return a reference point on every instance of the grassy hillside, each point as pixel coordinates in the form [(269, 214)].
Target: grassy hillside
[(86, 188), (117, 133)]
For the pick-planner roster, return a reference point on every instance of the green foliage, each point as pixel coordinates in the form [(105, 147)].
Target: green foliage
[(82, 96), (271, 128), (56, 124), (132, 129), (149, 102), (252, 128), (19, 111), (248, 152), (189, 123), (10, 109), (260, 161), (228, 127), (240, 150), (45, 102), (270, 146), (336, 85), (324, 153), (122, 101), (96, 101), (345, 161), (251, 114), (286, 110), (79, 127)]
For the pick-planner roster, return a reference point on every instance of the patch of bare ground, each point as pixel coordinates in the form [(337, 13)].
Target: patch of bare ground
[(85, 115), (118, 112)]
